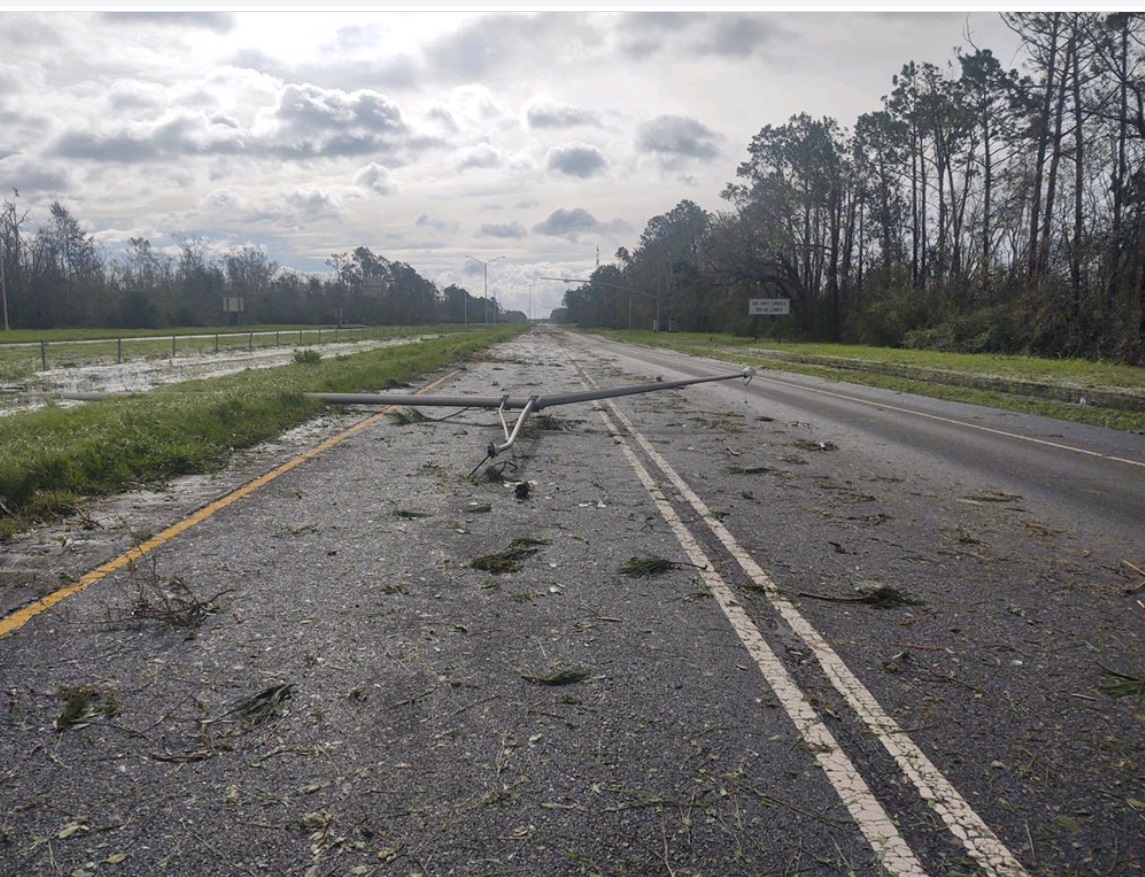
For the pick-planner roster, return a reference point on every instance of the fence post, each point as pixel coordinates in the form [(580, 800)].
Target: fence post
[(216, 342), (119, 351), (172, 346), (44, 354), (250, 342)]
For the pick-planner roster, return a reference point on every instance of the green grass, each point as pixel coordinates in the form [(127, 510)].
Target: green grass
[(1078, 372), (819, 360), (55, 457)]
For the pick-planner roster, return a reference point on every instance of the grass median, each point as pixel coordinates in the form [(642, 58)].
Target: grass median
[(56, 457), (930, 373)]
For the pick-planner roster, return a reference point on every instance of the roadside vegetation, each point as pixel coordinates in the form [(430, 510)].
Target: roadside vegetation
[(54, 458), (932, 373), (978, 210)]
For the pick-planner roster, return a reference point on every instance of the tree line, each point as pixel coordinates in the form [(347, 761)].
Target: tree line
[(980, 209), (57, 277)]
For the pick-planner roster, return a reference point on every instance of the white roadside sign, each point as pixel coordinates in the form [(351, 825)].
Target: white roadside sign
[(768, 306)]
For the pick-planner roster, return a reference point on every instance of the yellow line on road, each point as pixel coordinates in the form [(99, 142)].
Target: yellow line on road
[(22, 616)]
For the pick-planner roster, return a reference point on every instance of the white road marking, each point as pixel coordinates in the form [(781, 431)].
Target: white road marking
[(963, 822), (877, 827), (955, 422)]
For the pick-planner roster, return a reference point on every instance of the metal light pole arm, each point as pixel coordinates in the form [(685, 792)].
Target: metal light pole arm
[(510, 438)]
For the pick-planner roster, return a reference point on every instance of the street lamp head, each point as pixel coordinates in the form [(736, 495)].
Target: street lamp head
[(484, 262)]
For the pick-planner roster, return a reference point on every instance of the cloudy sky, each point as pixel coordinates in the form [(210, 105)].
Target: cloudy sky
[(529, 140)]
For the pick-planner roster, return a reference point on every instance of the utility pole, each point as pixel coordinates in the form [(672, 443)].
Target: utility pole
[(4, 284), (3, 260)]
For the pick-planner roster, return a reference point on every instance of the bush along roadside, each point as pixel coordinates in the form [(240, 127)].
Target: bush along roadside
[(56, 457)]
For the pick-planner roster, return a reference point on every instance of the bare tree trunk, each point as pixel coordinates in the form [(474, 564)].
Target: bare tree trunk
[(1042, 144), (1078, 188), (1055, 158)]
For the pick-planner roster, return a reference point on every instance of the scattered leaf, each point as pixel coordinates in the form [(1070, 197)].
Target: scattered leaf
[(562, 677), (76, 826)]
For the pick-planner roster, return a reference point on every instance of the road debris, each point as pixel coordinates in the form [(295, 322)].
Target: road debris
[(510, 559), (561, 677), (85, 703), (1133, 589), (258, 708), (1118, 684), (882, 596), (643, 567)]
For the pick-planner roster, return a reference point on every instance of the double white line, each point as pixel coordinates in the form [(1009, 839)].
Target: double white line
[(877, 827)]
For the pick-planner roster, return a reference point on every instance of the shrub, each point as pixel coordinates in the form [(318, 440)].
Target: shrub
[(309, 356)]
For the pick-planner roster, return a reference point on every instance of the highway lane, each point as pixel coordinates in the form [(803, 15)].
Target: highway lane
[(1087, 477), (740, 715), (1009, 529)]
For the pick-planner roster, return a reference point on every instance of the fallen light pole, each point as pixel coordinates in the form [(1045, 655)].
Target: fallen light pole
[(526, 405)]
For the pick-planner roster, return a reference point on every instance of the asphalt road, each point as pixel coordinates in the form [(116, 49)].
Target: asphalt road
[(382, 688)]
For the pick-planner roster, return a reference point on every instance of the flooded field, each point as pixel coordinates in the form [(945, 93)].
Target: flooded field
[(67, 385)]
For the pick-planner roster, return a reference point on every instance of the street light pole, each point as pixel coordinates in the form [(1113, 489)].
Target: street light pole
[(485, 275), (628, 289)]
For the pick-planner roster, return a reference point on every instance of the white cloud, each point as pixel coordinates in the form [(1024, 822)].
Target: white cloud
[(576, 160), (495, 123), (377, 179), (313, 203)]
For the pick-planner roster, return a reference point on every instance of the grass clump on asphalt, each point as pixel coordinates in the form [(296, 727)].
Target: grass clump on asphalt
[(879, 596), (1118, 684), (510, 559), (644, 567), (83, 704), (55, 457), (173, 602), (270, 703)]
